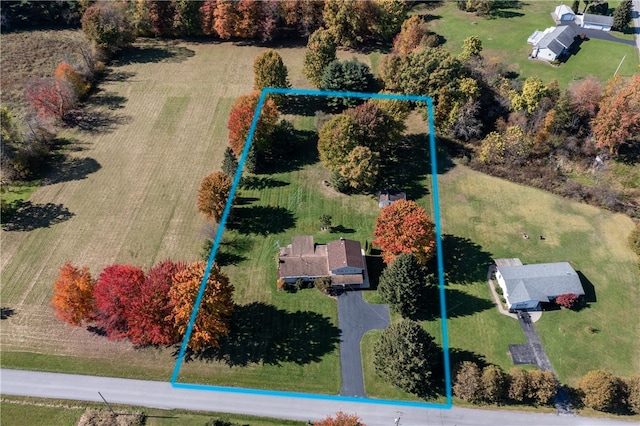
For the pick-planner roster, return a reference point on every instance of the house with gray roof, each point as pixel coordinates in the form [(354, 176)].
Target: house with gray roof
[(594, 22), (553, 42), (527, 286), (341, 260)]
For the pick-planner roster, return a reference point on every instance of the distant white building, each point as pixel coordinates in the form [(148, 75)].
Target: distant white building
[(563, 14), (594, 22)]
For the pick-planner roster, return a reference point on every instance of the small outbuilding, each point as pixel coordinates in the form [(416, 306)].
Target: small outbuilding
[(389, 196), (525, 287), (563, 14), (595, 22)]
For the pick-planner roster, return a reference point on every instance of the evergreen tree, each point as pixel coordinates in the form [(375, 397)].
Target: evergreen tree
[(346, 76), (229, 163), (405, 285), (622, 15)]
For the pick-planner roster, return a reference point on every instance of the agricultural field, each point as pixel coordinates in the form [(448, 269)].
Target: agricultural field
[(504, 37), (157, 126)]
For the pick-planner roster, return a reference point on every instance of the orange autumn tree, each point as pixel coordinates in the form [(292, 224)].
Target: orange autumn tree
[(240, 119), (216, 307), (341, 419), (405, 227), (73, 300), (213, 194), (66, 72)]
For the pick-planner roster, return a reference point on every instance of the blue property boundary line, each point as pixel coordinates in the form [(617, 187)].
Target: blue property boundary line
[(223, 221)]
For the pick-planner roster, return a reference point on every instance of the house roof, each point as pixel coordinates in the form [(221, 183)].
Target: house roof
[(562, 10), (342, 253), (302, 258), (597, 19), (391, 195), (557, 40), (541, 282)]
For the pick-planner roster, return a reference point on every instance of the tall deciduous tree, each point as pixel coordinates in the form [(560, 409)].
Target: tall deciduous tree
[(406, 356), (406, 286), (207, 16), (411, 37), (361, 168), (471, 48), (213, 194), (519, 384), (115, 291), (529, 99), (543, 386), (600, 390), (341, 419), (50, 98), (73, 300), (150, 321), (494, 384), (270, 71), (106, 25), (390, 15), (510, 147), (321, 51), (404, 227), (66, 73), (161, 15), (216, 307), (226, 18), (632, 386), (348, 20), (337, 138), (618, 118), (240, 118), (187, 18), (467, 384)]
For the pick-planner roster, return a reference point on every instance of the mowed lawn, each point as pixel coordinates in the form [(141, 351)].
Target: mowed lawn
[(155, 128), (505, 38)]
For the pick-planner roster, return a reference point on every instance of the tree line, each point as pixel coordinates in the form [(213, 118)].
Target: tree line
[(152, 308)]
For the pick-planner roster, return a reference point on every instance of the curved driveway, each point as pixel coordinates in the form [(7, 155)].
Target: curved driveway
[(355, 318), (162, 395)]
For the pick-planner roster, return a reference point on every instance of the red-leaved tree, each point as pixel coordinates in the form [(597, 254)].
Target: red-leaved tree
[(568, 300), (240, 119), (73, 300), (115, 291), (50, 98), (150, 320), (405, 227), (341, 419), (216, 306)]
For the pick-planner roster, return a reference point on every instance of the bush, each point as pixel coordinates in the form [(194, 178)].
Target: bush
[(568, 300), (468, 382), (323, 283), (600, 390)]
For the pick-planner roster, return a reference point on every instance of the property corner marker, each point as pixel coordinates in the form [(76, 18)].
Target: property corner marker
[(216, 243)]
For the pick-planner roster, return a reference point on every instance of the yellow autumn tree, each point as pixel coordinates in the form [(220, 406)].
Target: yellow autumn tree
[(73, 300)]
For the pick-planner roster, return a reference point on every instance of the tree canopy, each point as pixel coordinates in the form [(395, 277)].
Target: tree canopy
[(405, 227), (270, 71), (213, 194), (321, 51), (346, 76), (406, 356), (406, 286), (73, 300)]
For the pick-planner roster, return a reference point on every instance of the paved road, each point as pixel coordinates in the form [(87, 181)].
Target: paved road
[(355, 318), (162, 395)]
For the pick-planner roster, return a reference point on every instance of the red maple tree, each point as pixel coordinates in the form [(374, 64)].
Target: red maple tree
[(73, 300), (240, 118), (568, 300), (116, 289), (50, 98), (341, 419), (404, 227), (150, 319)]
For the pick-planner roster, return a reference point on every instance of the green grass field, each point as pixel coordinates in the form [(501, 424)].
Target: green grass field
[(159, 126), (505, 38)]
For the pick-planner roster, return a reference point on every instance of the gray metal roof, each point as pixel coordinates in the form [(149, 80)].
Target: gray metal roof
[(542, 281), (588, 18), (560, 38)]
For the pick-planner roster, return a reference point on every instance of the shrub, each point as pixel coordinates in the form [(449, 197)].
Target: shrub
[(468, 382), (600, 390), (634, 239), (322, 283), (568, 300), (281, 284)]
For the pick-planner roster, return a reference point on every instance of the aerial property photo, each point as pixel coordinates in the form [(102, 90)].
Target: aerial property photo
[(320, 212)]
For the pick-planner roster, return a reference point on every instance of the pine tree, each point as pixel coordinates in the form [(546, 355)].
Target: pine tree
[(622, 15), (229, 163), (405, 285)]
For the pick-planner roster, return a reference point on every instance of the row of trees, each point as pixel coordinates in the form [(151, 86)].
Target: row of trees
[(113, 24), (602, 391), (148, 309), (491, 385)]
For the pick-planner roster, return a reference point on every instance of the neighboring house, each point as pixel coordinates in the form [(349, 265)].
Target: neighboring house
[(595, 22), (552, 43), (563, 14), (342, 260), (526, 286), (390, 196)]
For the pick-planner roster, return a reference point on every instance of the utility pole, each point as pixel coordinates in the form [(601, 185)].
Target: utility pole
[(105, 401)]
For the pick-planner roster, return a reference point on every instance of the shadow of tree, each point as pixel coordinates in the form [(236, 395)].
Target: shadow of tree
[(375, 266), (410, 163), (261, 333), (6, 312), (339, 229), (95, 121), (31, 216), (457, 356), (303, 105), (261, 182), (465, 262), (459, 304), (142, 54), (108, 100), (262, 220), (291, 150), (72, 169), (119, 76)]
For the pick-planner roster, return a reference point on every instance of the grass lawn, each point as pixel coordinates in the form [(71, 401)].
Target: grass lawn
[(505, 38), (67, 413)]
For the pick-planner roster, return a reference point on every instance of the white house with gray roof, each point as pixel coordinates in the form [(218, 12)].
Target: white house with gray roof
[(552, 43), (526, 286)]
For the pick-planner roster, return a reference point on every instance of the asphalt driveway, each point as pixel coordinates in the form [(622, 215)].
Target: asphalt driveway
[(355, 318)]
